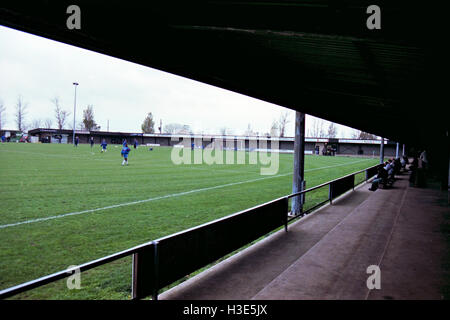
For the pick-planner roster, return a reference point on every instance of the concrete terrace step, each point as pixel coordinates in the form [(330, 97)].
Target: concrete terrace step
[(326, 255), (335, 268), (247, 273)]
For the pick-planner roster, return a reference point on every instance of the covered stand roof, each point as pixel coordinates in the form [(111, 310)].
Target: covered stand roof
[(317, 57)]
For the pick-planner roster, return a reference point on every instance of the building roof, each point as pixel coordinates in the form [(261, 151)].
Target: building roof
[(200, 136)]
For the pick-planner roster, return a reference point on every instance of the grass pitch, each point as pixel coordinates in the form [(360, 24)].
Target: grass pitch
[(64, 206)]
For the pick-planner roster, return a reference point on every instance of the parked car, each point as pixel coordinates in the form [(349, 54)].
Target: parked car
[(24, 139)]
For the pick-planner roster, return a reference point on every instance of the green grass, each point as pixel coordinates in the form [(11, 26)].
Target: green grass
[(48, 180)]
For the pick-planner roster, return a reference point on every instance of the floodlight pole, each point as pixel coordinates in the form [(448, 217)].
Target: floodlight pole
[(74, 110)]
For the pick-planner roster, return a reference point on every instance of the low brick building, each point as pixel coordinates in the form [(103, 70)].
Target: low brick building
[(286, 144)]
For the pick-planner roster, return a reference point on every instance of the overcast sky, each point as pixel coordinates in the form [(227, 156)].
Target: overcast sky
[(122, 92)]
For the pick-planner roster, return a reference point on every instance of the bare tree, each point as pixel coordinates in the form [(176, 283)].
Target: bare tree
[(176, 128), (316, 129), (355, 134), (361, 135), (249, 132), (170, 128), (36, 123), (2, 114), (21, 111), (186, 129), (61, 115), (48, 123), (225, 131), (367, 136), (282, 123), (80, 126), (274, 129), (332, 130)]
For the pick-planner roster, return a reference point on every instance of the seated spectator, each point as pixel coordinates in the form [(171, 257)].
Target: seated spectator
[(413, 168), (414, 163), (380, 178), (420, 177), (403, 162), (423, 157), (389, 167), (397, 166)]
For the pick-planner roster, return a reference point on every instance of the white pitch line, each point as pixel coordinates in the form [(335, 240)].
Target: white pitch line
[(55, 155), (162, 197), (139, 201), (338, 165)]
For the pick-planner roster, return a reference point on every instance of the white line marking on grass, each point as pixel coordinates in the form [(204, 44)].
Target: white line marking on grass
[(55, 155), (139, 201), (163, 197), (216, 170), (337, 165)]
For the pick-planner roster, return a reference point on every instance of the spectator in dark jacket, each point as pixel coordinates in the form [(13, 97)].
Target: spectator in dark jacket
[(413, 168), (380, 178), (397, 166)]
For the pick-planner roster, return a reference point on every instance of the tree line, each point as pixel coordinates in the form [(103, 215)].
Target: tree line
[(277, 128), (61, 117), (323, 129), (318, 128), (148, 126)]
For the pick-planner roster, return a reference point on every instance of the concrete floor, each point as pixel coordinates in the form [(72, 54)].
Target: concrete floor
[(326, 255)]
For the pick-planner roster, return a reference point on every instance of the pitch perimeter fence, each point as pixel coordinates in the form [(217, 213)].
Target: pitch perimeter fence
[(159, 263)]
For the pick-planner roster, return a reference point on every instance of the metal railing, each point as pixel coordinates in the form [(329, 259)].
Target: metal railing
[(336, 188), (159, 263), (9, 292)]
